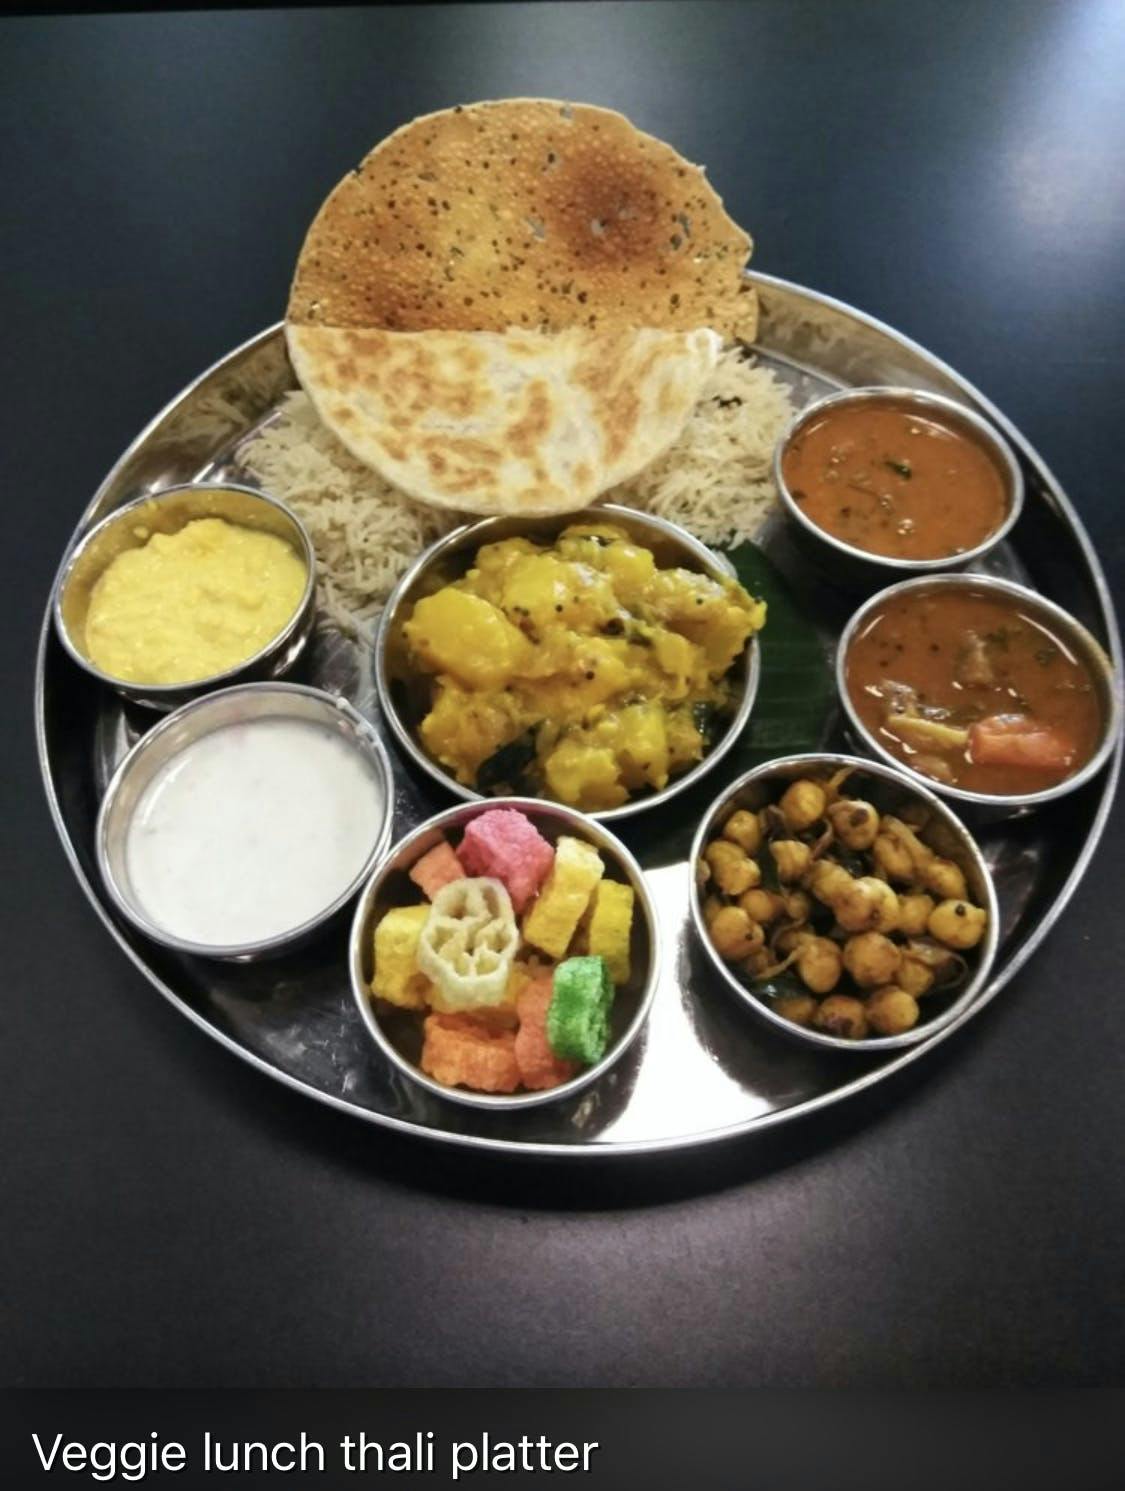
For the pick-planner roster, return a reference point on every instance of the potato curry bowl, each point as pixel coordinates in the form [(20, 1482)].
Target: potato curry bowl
[(846, 906), (604, 660)]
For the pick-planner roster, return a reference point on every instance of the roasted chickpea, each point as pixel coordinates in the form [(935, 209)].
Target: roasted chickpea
[(892, 858), (763, 906), (734, 935), (742, 828), (819, 964), (914, 976), (789, 939), (855, 822), (871, 959), (945, 879), (866, 905), (826, 880), (711, 908), (798, 906), (958, 924), (841, 1015), (791, 857), (731, 869), (802, 803), (757, 963), (892, 1011), (799, 1008), (702, 873), (913, 914)]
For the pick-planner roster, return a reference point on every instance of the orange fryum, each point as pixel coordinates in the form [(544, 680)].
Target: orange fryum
[(467, 1051), (539, 1067), (437, 868)]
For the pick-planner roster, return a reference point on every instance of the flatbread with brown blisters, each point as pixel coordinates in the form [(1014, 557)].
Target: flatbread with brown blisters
[(504, 422), (524, 212)]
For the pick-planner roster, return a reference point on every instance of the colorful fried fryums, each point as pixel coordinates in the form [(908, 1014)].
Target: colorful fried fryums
[(437, 868), (578, 1016), (504, 843), (513, 960)]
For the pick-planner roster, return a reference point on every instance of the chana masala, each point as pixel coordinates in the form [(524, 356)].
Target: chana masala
[(880, 476), (974, 690)]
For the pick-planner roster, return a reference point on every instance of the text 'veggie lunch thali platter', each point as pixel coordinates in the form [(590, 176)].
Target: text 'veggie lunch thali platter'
[(563, 691)]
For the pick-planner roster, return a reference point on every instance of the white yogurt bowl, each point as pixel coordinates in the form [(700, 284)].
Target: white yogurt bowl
[(245, 821)]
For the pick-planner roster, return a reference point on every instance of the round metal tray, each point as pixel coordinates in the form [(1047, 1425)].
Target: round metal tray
[(704, 1069)]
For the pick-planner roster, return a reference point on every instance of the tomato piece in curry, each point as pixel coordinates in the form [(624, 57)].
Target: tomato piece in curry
[(974, 690), (881, 477)]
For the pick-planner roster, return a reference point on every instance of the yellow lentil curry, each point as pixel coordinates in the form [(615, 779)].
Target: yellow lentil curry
[(578, 671), (191, 604)]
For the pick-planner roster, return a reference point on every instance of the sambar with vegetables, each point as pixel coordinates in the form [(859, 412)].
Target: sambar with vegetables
[(974, 688)]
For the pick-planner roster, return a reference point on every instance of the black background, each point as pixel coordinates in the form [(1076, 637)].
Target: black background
[(171, 1218)]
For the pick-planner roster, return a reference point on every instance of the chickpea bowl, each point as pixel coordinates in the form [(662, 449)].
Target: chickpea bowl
[(844, 904)]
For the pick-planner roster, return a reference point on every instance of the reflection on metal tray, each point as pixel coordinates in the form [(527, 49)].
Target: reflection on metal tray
[(703, 1069)]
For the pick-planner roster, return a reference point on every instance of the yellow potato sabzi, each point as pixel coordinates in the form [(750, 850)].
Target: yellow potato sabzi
[(869, 918), (578, 671)]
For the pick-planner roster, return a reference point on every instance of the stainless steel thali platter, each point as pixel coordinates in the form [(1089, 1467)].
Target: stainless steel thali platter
[(703, 1070)]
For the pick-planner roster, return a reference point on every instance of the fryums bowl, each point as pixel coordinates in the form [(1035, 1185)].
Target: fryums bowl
[(1070, 633), (849, 563), (249, 705), (397, 1032), (405, 703), (888, 790), (168, 511)]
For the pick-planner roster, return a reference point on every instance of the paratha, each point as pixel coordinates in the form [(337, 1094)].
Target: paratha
[(524, 212), (504, 422)]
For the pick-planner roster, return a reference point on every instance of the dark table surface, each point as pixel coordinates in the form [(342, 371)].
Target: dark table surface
[(171, 1218)]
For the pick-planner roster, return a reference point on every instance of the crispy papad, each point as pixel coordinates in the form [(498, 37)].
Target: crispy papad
[(504, 422), (524, 212)]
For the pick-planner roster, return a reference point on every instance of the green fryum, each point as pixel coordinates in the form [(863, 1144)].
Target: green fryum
[(578, 1014)]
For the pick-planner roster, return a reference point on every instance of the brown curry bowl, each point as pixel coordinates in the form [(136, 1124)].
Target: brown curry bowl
[(851, 566), (984, 806)]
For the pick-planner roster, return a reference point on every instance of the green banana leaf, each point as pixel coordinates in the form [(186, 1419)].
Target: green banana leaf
[(795, 706)]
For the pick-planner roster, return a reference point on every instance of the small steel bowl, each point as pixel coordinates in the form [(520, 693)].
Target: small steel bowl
[(404, 696), (984, 805), (168, 511), (398, 1033), (890, 790), (849, 564), (191, 722)]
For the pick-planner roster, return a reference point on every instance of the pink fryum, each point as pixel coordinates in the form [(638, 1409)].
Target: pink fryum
[(504, 844)]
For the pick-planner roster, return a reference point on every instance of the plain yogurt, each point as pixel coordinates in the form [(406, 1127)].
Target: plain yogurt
[(252, 831)]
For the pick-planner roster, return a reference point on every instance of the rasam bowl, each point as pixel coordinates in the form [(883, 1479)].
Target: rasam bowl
[(398, 1032), (448, 559)]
